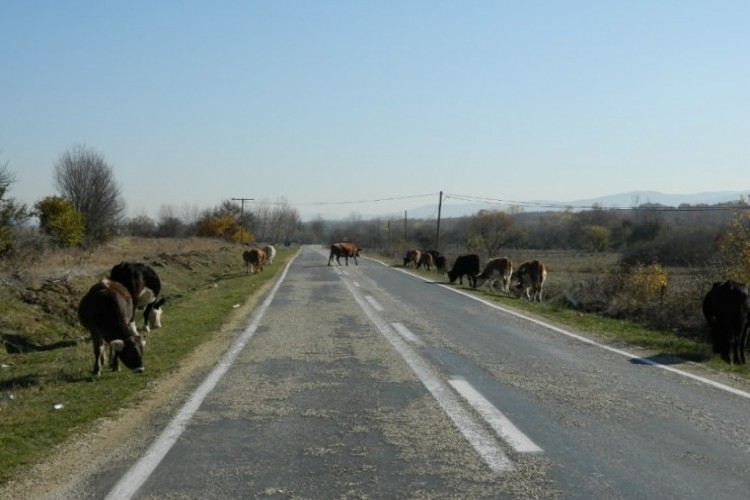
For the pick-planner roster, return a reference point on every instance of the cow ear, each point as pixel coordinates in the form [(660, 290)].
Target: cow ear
[(159, 303), (117, 345)]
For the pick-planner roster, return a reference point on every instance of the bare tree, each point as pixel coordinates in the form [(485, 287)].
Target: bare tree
[(12, 213), (83, 177)]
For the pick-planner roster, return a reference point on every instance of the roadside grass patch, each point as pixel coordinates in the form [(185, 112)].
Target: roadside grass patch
[(47, 397)]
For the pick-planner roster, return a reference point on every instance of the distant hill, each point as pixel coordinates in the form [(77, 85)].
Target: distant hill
[(622, 200)]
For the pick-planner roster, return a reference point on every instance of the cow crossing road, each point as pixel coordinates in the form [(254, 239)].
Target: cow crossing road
[(370, 381)]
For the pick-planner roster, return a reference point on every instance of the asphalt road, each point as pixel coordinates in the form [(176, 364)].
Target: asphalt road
[(365, 381)]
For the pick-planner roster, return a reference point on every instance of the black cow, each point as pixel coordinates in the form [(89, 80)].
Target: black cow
[(106, 312), (726, 308), (439, 261), (144, 286), (465, 264)]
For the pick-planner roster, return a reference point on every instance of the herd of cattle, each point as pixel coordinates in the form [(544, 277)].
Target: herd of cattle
[(108, 309), (528, 280)]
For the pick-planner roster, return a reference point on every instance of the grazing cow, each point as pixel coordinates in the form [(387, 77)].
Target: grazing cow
[(530, 277), (439, 261), (106, 312), (345, 250), (440, 264), (425, 260), (726, 308), (144, 286), (465, 264), (411, 259), (496, 269), (270, 253), (254, 259)]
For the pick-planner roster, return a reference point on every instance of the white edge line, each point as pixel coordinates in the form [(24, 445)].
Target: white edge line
[(139, 473), (698, 378), (502, 426)]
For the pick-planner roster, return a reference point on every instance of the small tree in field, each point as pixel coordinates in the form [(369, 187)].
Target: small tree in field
[(59, 219)]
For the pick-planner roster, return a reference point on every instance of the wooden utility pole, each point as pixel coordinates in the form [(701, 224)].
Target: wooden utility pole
[(242, 212), (440, 207)]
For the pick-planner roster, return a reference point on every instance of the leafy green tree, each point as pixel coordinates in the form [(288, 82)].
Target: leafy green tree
[(59, 219)]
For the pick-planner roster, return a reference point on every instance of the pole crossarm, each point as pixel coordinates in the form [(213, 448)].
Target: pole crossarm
[(242, 212)]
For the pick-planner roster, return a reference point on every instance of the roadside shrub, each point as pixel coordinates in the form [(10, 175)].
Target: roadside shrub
[(59, 219)]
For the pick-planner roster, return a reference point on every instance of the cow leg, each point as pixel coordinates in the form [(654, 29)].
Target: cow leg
[(98, 357), (114, 360)]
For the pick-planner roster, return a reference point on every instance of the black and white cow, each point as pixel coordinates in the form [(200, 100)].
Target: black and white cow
[(726, 308), (106, 312), (144, 286)]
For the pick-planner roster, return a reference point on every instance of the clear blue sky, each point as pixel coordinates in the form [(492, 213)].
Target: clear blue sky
[(193, 103)]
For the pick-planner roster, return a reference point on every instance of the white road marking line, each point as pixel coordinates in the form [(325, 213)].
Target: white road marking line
[(585, 340), (504, 428), (374, 303), (474, 431), (356, 283), (137, 475), (407, 334)]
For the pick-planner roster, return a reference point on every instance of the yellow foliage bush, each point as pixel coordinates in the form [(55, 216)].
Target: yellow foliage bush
[(735, 246), (646, 283)]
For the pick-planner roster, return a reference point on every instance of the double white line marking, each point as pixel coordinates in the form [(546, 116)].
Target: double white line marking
[(475, 430)]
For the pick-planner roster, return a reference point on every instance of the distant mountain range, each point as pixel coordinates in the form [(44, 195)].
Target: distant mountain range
[(623, 200)]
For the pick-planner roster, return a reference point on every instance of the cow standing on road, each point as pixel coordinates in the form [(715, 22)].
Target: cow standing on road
[(106, 312), (345, 250), (726, 308)]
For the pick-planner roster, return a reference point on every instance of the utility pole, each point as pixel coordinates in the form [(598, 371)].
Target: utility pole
[(440, 207), (242, 212)]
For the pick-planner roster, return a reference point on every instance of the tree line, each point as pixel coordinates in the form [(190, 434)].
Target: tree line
[(89, 209)]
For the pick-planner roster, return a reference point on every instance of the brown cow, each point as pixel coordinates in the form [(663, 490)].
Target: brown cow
[(497, 269), (345, 250), (530, 276), (106, 312), (426, 260), (411, 259), (254, 259)]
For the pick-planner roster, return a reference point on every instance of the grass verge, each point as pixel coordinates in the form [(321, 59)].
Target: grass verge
[(50, 396)]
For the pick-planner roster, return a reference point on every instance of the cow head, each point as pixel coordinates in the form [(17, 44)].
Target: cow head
[(130, 352)]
